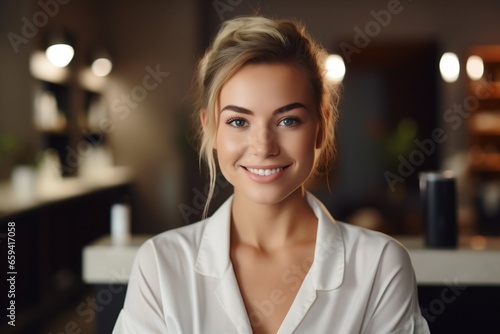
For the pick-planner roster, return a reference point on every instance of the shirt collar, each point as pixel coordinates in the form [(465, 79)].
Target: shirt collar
[(213, 255), (327, 271)]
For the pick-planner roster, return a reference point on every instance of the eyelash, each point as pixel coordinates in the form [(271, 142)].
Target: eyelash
[(233, 119), (296, 121)]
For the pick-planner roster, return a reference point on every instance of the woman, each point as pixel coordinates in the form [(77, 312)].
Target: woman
[(271, 258)]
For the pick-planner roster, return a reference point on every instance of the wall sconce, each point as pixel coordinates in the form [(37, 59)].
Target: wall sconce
[(93, 76), (42, 69), (335, 68), (475, 67), (449, 67), (101, 64), (59, 52)]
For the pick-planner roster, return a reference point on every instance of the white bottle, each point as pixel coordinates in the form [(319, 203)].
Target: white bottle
[(120, 224)]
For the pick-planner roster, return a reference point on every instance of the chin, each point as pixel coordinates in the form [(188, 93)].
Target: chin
[(268, 195)]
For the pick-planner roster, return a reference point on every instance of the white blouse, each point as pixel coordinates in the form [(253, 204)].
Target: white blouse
[(360, 281)]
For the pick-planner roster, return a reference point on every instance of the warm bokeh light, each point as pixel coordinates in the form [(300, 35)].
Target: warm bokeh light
[(101, 67), (41, 68), (475, 67), (449, 67), (335, 68), (60, 55), (88, 80)]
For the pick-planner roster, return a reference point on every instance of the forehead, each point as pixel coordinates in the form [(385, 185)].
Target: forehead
[(267, 87)]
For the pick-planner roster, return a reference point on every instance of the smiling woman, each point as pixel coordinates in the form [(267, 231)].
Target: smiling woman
[(271, 259)]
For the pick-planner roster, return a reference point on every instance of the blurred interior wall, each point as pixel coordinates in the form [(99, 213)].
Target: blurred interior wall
[(169, 36), (15, 80)]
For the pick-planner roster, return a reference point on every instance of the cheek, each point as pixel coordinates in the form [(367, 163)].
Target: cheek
[(229, 148), (307, 150), (303, 147), (227, 143)]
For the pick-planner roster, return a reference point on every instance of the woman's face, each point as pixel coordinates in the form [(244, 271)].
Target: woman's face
[(267, 136)]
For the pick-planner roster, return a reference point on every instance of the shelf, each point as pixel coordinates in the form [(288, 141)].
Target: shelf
[(95, 110), (485, 123), (60, 129), (53, 230), (484, 87), (67, 110), (66, 188), (488, 53), (485, 161), (60, 132), (51, 107)]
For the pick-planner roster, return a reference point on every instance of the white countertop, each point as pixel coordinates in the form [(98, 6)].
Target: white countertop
[(475, 262), (104, 263), (62, 189)]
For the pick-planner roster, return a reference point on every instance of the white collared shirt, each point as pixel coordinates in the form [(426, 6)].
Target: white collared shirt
[(360, 281)]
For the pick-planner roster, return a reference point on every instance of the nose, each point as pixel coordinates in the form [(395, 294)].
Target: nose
[(263, 143)]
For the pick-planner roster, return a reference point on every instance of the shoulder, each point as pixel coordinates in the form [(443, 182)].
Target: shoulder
[(369, 244), (182, 242), (360, 234), (382, 268), (356, 243), (186, 234)]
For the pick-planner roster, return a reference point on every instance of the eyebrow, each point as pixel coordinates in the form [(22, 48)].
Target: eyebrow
[(280, 110)]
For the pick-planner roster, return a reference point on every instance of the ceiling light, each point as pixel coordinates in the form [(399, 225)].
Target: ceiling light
[(59, 51), (449, 67), (335, 68), (101, 67), (475, 67)]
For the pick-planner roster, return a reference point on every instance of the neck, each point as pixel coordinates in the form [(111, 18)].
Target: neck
[(273, 226)]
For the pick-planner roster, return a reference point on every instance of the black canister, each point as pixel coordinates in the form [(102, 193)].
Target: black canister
[(439, 209)]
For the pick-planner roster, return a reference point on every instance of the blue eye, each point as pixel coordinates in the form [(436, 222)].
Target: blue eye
[(237, 122), (289, 121)]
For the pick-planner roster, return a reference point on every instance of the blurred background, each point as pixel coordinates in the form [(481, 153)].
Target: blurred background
[(112, 122)]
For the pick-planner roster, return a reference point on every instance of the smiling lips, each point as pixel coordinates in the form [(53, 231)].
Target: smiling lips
[(264, 172), (265, 175)]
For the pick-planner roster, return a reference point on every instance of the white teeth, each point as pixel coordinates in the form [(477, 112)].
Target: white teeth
[(264, 172)]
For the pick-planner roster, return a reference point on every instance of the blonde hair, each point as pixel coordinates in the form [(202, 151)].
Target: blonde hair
[(254, 40)]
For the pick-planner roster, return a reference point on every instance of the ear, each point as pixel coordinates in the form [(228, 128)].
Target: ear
[(204, 121), (203, 118)]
